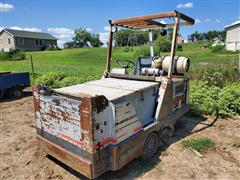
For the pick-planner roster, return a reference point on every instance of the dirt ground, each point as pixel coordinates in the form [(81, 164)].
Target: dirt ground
[(22, 158)]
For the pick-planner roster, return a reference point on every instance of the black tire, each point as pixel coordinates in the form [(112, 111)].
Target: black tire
[(15, 92), (1, 93), (150, 146)]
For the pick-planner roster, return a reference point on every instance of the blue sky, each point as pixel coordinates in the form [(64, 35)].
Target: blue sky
[(61, 17)]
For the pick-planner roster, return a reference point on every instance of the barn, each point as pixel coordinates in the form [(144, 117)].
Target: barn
[(233, 36)]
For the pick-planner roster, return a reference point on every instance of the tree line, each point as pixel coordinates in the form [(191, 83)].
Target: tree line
[(123, 37), (128, 37), (209, 36)]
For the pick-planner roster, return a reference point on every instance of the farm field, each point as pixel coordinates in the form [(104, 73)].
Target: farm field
[(91, 61), (23, 158)]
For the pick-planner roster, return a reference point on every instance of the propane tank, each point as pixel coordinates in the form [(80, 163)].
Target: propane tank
[(180, 64)]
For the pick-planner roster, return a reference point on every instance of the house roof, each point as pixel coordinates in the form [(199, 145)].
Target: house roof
[(233, 24), (180, 36), (30, 34)]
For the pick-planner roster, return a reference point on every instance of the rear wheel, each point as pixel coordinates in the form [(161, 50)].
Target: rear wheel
[(15, 92), (150, 146)]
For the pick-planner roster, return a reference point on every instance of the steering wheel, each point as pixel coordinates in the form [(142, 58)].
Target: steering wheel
[(126, 63)]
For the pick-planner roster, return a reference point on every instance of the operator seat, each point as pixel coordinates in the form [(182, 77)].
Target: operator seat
[(143, 62)]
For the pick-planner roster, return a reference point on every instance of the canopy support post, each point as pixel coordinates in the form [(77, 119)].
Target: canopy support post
[(109, 55), (150, 35), (173, 48)]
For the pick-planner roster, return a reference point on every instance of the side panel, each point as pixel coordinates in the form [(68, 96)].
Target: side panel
[(74, 161), (172, 96), (63, 119)]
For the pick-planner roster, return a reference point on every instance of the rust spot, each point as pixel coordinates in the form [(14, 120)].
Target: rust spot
[(177, 99), (100, 103), (35, 101), (86, 120), (56, 101)]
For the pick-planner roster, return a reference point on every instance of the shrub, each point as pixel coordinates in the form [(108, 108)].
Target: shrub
[(179, 47), (229, 100), (198, 144), (69, 80), (162, 44), (52, 49), (142, 51), (217, 48), (57, 79), (213, 100), (125, 49), (214, 79), (12, 55), (51, 79), (18, 56), (4, 56)]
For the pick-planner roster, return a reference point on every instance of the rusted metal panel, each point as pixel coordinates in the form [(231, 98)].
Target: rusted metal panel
[(74, 161), (128, 151), (65, 118)]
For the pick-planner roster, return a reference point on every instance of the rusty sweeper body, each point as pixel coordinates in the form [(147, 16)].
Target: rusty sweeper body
[(102, 125)]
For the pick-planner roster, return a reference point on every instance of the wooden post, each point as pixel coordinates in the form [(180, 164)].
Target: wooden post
[(33, 73), (173, 48), (109, 56)]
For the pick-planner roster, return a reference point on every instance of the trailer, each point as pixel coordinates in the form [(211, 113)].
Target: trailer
[(104, 124), (12, 83)]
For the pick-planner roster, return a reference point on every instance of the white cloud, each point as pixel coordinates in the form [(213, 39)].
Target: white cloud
[(63, 34), (60, 43), (185, 5), (61, 31), (1, 28), (198, 21), (106, 28), (212, 21), (217, 20), (4, 7), (163, 22), (26, 29), (103, 36), (89, 30), (207, 20)]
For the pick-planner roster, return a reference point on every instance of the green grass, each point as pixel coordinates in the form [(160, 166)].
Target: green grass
[(198, 144), (236, 142), (80, 62)]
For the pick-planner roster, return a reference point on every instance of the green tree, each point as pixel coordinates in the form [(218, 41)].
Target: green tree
[(82, 38), (95, 40)]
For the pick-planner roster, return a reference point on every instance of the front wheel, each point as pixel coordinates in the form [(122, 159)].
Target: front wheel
[(150, 146)]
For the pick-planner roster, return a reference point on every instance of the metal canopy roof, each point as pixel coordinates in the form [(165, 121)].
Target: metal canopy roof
[(149, 21)]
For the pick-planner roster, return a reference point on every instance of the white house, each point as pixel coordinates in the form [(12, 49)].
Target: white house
[(233, 36)]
